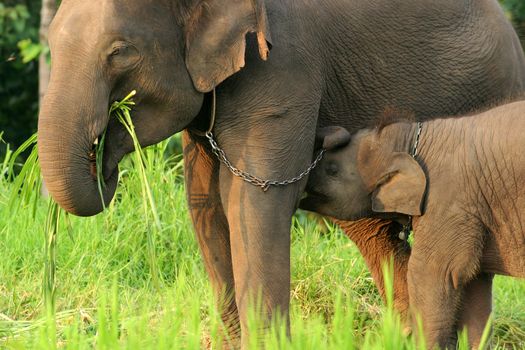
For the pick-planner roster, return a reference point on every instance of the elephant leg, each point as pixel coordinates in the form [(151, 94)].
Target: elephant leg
[(442, 264), (260, 240), (435, 301), (476, 308), (260, 221), (202, 186), (378, 241)]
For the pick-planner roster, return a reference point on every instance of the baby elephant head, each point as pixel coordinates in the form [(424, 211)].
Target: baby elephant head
[(362, 176)]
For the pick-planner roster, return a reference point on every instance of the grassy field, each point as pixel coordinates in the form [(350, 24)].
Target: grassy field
[(124, 282)]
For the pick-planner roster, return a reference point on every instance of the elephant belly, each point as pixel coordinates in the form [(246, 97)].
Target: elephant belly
[(505, 256)]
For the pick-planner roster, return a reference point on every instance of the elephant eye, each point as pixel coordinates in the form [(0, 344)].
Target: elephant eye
[(123, 55), (116, 51), (331, 169), (120, 49)]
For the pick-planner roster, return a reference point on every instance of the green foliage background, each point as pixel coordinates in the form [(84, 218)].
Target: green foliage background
[(516, 8), (19, 20)]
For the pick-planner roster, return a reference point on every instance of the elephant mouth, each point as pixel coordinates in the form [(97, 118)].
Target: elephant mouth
[(92, 156), (313, 200), (99, 162)]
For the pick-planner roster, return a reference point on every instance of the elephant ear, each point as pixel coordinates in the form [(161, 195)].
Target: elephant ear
[(401, 188), (216, 39), (332, 137)]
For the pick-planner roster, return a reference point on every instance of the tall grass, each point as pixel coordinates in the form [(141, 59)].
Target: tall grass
[(26, 182), (122, 111), (27, 186), (101, 280)]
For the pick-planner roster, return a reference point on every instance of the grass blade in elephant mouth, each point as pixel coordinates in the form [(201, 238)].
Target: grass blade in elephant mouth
[(122, 111), (98, 145), (96, 155)]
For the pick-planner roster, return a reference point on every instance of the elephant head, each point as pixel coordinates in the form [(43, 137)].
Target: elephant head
[(171, 52), (363, 176)]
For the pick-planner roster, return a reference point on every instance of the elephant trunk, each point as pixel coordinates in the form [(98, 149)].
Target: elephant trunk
[(68, 128)]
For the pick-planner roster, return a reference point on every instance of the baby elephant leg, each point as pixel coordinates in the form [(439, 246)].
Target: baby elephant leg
[(476, 308), (435, 301), (445, 259)]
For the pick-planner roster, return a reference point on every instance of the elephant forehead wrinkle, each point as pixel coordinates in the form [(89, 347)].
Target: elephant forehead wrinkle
[(110, 13), (105, 13), (75, 26)]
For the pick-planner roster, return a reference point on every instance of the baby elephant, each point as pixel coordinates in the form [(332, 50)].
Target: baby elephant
[(464, 193)]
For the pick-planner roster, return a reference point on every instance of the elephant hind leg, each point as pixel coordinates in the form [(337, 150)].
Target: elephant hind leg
[(378, 240)]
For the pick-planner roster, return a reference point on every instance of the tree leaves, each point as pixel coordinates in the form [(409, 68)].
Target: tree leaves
[(30, 51)]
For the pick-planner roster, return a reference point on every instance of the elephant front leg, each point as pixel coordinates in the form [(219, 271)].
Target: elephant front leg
[(441, 270), (259, 220), (211, 227), (441, 267), (433, 300), (260, 241), (476, 308)]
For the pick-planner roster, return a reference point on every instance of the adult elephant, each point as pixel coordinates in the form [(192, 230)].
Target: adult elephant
[(333, 63)]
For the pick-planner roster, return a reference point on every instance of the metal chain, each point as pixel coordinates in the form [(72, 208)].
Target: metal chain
[(252, 179), (407, 228), (416, 143)]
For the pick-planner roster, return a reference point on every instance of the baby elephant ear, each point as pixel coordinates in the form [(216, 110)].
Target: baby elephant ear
[(402, 187), (332, 137)]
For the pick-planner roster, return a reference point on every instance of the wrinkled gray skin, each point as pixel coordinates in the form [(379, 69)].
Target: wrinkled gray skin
[(332, 63), (466, 177)]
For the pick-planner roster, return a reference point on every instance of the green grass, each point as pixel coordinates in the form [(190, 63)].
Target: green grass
[(107, 295)]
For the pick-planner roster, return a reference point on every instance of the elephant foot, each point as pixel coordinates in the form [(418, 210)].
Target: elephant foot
[(228, 341)]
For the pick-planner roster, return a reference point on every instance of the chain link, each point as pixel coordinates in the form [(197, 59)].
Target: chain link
[(407, 228), (252, 179), (416, 143)]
